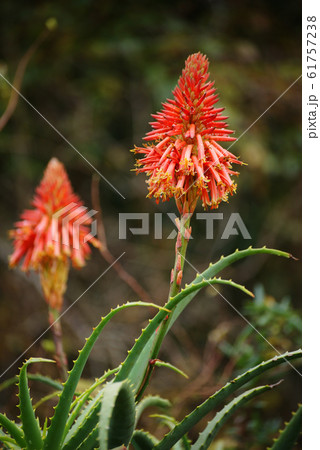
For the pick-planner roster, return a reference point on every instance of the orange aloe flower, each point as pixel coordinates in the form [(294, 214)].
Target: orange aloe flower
[(53, 233), (185, 159)]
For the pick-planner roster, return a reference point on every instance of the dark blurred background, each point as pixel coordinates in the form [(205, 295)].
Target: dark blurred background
[(97, 77)]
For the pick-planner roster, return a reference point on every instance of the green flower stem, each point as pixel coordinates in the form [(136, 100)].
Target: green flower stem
[(60, 355), (175, 285), (181, 250)]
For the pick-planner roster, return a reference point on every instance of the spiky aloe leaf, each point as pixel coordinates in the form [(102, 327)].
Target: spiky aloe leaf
[(117, 415), (84, 424), (34, 377), (53, 440), (136, 363), (167, 365), (151, 349), (8, 441), (151, 401), (290, 433), (14, 431), (30, 425), (217, 267), (90, 416), (142, 440), (45, 399), (79, 403), (91, 441), (209, 433), (171, 422), (212, 402), (138, 357)]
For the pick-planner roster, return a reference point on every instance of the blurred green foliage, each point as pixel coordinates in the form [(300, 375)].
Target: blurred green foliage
[(281, 325)]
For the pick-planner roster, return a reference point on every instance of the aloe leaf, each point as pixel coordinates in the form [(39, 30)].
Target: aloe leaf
[(167, 365), (45, 380), (75, 432), (137, 361), (56, 430), (117, 415), (151, 401), (45, 427), (34, 377), (142, 440), (290, 433), (45, 399), (30, 425), (214, 425), (80, 401), (8, 441), (212, 402), (91, 441), (215, 268), (171, 422), (14, 431), (84, 425)]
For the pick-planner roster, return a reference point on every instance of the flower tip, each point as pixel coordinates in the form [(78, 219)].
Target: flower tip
[(55, 166), (54, 162), (11, 264), (95, 242)]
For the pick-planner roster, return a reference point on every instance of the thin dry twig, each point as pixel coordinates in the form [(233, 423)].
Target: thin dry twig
[(104, 250), (212, 359), (18, 78)]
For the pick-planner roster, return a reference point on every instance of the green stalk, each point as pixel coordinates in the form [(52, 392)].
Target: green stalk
[(175, 285), (60, 355), (184, 236)]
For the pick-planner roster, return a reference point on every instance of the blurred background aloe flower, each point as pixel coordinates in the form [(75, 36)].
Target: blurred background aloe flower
[(45, 241), (48, 236)]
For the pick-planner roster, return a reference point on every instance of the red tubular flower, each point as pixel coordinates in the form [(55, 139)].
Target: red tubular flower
[(186, 161), (51, 233)]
